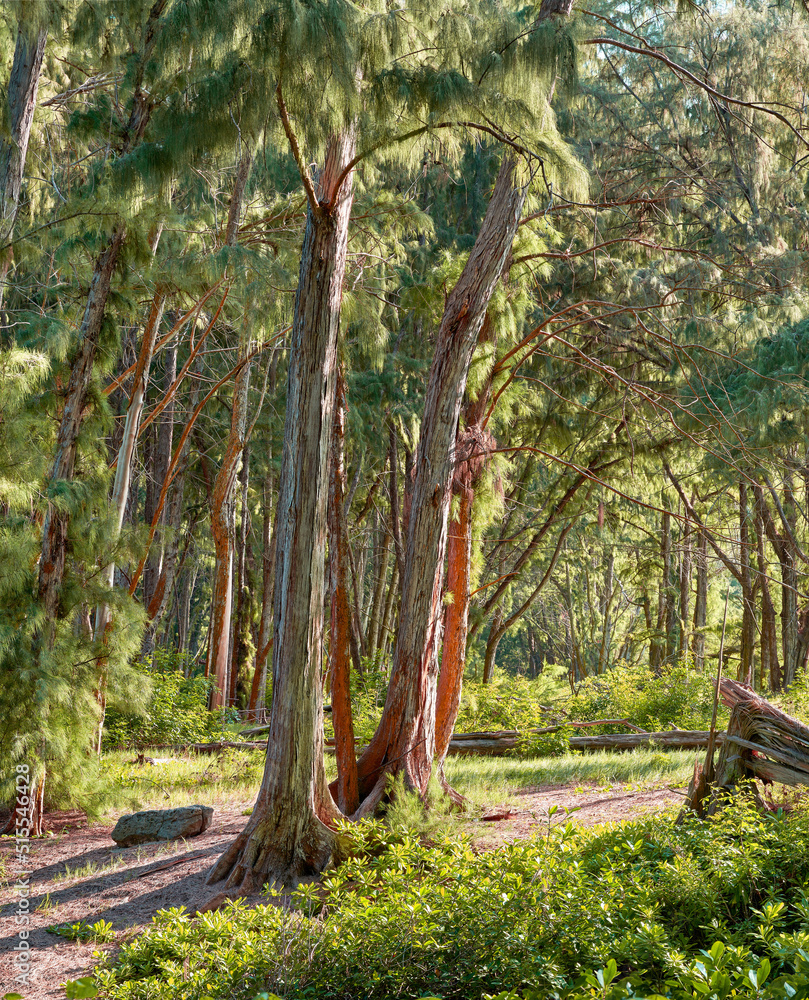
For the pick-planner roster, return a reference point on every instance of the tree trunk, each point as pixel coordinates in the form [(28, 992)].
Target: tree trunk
[(54, 530), (126, 451), (374, 631), (221, 522), (493, 641), (770, 667), (701, 601), (789, 589), (162, 437), (289, 834), (264, 645), (748, 636), (405, 739), (340, 619), (22, 98), (685, 591), (239, 668), (222, 499), (456, 621)]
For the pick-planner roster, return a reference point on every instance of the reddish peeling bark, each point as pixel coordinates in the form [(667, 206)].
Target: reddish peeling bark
[(456, 620), (290, 832), (404, 742), (472, 447), (221, 529), (340, 621)]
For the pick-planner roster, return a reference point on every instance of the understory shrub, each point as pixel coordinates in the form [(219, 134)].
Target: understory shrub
[(676, 696), (176, 710), (710, 909)]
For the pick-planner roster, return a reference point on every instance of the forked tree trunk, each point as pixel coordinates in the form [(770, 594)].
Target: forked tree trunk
[(340, 619), (404, 742), (23, 84), (290, 832)]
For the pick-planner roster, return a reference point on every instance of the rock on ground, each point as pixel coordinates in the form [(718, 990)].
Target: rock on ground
[(161, 824)]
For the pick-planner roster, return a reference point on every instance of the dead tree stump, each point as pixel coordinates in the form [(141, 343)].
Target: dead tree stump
[(761, 742)]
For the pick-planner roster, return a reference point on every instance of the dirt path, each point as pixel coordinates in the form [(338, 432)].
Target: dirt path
[(126, 887)]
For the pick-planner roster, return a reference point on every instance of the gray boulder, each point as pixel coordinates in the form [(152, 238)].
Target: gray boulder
[(161, 824)]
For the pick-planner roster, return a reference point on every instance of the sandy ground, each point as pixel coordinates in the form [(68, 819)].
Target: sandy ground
[(127, 886)]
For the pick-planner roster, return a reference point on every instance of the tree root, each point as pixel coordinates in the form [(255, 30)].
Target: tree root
[(267, 853)]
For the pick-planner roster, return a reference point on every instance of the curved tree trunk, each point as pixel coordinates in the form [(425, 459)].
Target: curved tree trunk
[(290, 834), (404, 742)]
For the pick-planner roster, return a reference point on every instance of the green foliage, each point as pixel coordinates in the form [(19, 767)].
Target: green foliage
[(510, 702), (100, 932), (176, 710), (643, 909), (675, 697)]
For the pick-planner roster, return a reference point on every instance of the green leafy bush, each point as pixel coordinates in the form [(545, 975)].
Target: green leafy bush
[(511, 702), (176, 712), (644, 909), (677, 696)]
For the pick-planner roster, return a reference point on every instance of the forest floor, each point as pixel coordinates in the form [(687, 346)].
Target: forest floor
[(78, 874)]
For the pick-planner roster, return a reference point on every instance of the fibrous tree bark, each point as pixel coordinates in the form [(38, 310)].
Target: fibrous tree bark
[(340, 619), (404, 742), (23, 84), (290, 833)]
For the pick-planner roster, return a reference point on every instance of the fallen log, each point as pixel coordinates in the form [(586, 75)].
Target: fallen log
[(505, 741), (501, 743)]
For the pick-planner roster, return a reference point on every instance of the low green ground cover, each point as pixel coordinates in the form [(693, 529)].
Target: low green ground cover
[(647, 909)]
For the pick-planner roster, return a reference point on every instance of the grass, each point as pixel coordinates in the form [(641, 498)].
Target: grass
[(221, 780), (486, 779), (86, 871), (231, 779)]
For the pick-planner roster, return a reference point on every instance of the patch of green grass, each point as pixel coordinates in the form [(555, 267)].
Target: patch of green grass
[(46, 904), (87, 870), (224, 779), (487, 779)]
